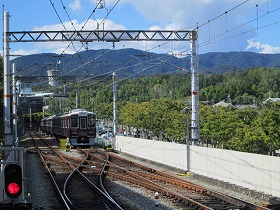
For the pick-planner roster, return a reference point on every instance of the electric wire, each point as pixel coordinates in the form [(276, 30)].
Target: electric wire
[(244, 32), (64, 25), (83, 64), (126, 67), (178, 30), (166, 57), (131, 75), (210, 41), (71, 43), (226, 13)]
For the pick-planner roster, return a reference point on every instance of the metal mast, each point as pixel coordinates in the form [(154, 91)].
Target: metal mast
[(195, 89), (115, 109), (15, 121), (7, 77)]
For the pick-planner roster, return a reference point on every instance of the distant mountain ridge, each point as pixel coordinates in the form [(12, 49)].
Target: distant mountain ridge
[(137, 63)]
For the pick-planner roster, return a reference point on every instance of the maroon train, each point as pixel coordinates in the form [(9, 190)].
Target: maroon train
[(78, 127)]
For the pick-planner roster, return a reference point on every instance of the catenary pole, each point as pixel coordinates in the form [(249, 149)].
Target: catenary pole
[(194, 88), (15, 122), (115, 109), (7, 77)]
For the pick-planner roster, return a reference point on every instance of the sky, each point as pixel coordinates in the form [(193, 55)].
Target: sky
[(223, 25)]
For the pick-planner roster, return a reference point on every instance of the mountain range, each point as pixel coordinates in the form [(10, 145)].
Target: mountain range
[(137, 63)]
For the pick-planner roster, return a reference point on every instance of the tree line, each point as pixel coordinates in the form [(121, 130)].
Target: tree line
[(155, 105)]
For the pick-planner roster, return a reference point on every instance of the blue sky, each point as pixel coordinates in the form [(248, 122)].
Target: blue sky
[(224, 25)]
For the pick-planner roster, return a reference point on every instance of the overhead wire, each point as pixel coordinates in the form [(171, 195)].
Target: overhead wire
[(244, 32), (199, 26), (225, 13), (104, 19), (196, 27), (210, 40), (91, 15), (126, 67), (131, 75), (71, 43), (111, 9), (122, 68), (64, 25)]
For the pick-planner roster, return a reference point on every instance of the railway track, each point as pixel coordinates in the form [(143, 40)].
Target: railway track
[(186, 194), (76, 189)]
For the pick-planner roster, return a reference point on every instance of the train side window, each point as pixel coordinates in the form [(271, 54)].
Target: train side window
[(74, 121)]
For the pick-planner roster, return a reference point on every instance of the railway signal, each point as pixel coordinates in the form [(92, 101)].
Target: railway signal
[(12, 191), (13, 180)]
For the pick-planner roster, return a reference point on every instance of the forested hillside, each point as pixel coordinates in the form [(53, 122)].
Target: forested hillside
[(250, 86), (136, 63)]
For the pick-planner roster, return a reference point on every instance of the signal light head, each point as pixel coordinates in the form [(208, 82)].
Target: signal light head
[(13, 180), (13, 188)]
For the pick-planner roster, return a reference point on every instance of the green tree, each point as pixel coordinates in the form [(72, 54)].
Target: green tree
[(164, 118), (269, 122)]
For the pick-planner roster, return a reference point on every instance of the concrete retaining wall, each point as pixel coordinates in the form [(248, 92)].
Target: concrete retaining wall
[(253, 171)]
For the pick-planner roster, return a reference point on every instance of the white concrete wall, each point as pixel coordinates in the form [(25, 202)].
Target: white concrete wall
[(162, 152), (256, 172)]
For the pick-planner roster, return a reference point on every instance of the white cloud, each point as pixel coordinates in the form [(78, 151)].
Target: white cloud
[(70, 48), (90, 25), (262, 48), (225, 33), (184, 13), (22, 52), (75, 5)]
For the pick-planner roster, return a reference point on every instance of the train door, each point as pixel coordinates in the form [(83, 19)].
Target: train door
[(83, 132), (83, 123)]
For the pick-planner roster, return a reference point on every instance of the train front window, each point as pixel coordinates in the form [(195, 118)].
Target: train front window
[(74, 121), (83, 123)]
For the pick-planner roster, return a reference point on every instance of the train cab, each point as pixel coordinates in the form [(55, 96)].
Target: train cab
[(82, 127), (78, 127)]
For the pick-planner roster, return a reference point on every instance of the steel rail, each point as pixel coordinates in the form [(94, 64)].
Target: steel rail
[(76, 170), (50, 174), (186, 184)]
